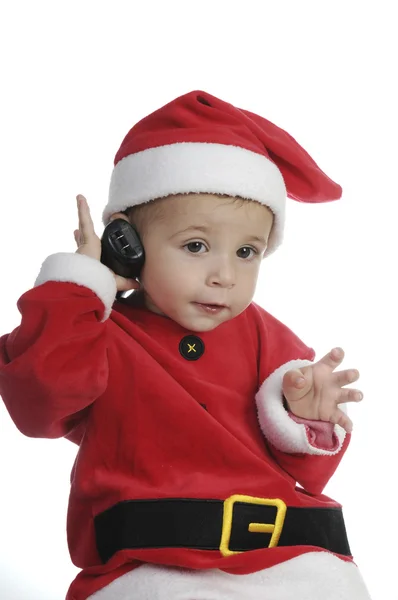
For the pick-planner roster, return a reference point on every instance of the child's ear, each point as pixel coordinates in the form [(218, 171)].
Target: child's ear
[(119, 215)]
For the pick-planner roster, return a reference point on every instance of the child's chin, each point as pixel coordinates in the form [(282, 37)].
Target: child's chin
[(198, 325)]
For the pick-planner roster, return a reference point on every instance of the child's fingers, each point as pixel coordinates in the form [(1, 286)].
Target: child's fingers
[(345, 377), (333, 358), (293, 379), (125, 285), (340, 418), (88, 243), (350, 395), (86, 225)]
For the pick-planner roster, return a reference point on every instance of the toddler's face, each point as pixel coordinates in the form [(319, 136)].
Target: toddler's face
[(202, 259)]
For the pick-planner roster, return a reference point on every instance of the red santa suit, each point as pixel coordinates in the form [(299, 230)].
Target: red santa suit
[(184, 441)]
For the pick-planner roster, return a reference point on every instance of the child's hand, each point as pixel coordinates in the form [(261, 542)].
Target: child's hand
[(315, 392), (89, 243)]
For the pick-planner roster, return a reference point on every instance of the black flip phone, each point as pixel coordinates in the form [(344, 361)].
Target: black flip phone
[(122, 250)]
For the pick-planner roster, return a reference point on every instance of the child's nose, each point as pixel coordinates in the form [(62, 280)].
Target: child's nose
[(222, 274)]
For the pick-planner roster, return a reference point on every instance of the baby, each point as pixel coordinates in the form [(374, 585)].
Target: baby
[(196, 412)]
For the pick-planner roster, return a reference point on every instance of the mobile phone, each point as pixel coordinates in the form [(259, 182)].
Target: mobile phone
[(122, 250)]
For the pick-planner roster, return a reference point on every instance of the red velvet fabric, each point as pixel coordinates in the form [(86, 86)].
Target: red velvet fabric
[(122, 390)]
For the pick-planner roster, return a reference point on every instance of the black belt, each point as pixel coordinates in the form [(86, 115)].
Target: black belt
[(239, 524)]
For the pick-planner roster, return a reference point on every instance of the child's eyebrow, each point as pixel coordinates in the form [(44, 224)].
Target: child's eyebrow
[(205, 229), (258, 238), (202, 228)]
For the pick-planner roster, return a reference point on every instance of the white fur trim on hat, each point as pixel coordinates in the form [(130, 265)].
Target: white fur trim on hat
[(189, 167), (83, 270), (279, 429)]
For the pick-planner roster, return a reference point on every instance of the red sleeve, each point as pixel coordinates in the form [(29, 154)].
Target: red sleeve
[(292, 443), (54, 365), (311, 471)]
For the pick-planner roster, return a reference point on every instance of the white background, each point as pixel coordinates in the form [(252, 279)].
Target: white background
[(75, 76)]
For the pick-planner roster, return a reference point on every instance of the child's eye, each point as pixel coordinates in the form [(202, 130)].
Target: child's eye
[(195, 247), (246, 252)]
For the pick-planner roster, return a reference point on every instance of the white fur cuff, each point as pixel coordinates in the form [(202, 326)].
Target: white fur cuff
[(279, 429), (83, 270)]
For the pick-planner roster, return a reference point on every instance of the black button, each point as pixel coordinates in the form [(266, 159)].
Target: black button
[(191, 347)]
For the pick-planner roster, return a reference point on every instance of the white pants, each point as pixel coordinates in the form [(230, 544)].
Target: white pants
[(313, 576)]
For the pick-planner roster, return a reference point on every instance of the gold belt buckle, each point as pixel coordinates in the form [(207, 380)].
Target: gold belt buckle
[(274, 528)]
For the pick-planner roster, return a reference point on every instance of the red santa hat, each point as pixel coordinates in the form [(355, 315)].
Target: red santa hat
[(198, 143)]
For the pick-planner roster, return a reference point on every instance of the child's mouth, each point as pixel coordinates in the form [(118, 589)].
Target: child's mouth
[(210, 308)]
